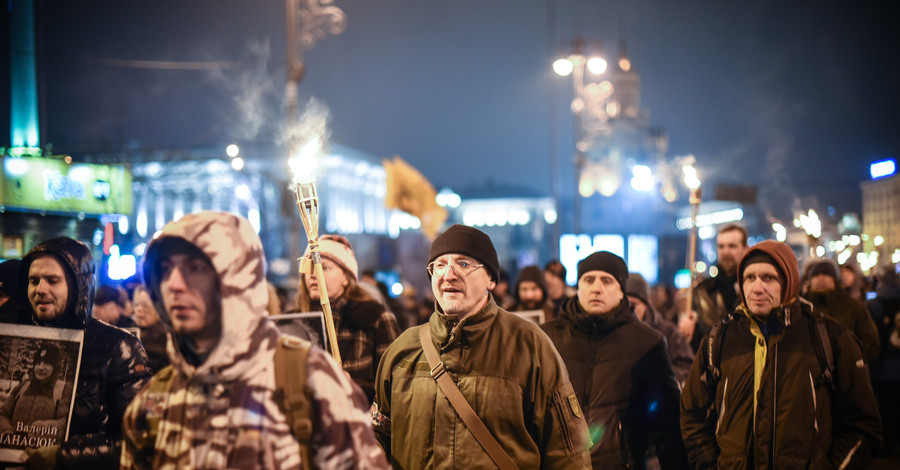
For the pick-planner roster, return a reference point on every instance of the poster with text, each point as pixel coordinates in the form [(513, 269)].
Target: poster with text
[(39, 369)]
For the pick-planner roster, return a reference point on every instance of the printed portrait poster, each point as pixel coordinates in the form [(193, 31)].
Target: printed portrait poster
[(536, 316), (308, 325), (38, 373)]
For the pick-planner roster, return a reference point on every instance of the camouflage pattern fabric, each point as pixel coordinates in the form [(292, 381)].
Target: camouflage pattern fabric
[(222, 414)]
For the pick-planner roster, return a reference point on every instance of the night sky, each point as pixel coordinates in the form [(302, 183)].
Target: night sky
[(797, 99)]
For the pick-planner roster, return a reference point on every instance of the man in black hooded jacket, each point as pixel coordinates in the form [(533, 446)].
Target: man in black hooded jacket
[(56, 289)]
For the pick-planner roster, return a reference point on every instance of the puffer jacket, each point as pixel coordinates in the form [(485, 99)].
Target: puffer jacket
[(793, 419), (113, 362), (511, 375), (624, 381), (223, 412)]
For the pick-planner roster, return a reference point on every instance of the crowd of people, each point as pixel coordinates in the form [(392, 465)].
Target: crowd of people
[(766, 368)]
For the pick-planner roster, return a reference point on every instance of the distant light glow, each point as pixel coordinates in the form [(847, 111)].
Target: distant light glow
[(242, 191), (121, 267), (123, 225), (713, 271), (878, 240), (140, 223), (706, 232), (237, 163), (624, 64), (820, 251), (232, 150), (597, 65), (397, 289), (780, 231), (883, 168), (711, 218), (682, 279), (15, 167), (642, 179), (563, 67), (550, 216)]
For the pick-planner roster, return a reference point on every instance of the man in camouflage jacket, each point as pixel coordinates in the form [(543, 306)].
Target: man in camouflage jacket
[(205, 273)]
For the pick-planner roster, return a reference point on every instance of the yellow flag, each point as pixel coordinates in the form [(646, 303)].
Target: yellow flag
[(411, 192)]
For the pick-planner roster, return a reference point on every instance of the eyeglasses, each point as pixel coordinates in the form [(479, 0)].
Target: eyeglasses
[(461, 267)]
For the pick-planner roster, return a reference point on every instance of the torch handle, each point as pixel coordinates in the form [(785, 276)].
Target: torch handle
[(326, 308)]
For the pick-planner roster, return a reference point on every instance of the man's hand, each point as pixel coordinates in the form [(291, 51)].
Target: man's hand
[(686, 324)]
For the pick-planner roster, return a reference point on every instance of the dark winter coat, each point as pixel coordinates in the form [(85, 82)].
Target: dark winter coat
[(852, 315), (623, 378), (791, 418), (114, 365)]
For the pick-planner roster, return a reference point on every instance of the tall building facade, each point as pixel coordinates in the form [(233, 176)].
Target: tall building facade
[(881, 215)]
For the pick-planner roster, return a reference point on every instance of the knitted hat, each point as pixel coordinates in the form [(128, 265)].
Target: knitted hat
[(531, 274), (9, 270), (606, 262), (468, 241), (825, 267), (637, 287), (338, 249)]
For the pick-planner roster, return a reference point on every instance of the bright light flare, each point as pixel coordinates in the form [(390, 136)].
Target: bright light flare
[(780, 231), (597, 65), (883, 168), (642, 179), (691, 179), (563, 67), (811, 223), (232, 150), (303, 162)]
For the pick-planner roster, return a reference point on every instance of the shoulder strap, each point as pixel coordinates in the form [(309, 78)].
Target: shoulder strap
[(462, 407), (714, 352), (824, 351), (290, 390)]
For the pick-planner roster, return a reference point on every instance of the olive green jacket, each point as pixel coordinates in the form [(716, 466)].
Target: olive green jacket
[(511, 375)]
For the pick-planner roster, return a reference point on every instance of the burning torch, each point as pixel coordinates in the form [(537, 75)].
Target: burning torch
[(303, 184), (692, 181)]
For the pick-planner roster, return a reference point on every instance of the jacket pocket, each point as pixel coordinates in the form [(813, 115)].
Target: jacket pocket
[(570, 418)]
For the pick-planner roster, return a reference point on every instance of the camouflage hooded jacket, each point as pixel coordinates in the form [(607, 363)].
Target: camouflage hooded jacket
[(222, 414)]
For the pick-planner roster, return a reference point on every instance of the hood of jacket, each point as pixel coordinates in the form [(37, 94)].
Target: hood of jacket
[(786, 262), (78, 264), (236, 253)]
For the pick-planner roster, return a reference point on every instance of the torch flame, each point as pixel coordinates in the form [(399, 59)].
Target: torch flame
[(303, 162)]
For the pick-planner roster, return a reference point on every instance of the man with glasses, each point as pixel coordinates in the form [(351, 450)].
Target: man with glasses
[(505, 367)]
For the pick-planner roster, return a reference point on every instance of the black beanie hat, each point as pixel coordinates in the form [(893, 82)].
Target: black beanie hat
[(467, 241), (825, 267), (638, 287), (606, 262)]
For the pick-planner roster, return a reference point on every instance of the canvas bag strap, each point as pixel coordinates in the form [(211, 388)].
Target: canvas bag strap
[(462, 407)]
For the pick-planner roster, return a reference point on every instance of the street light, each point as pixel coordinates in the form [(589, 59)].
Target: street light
[(591, 118)]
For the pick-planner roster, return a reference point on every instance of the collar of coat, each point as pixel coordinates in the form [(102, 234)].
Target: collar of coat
[(447, 329), (596, 325)]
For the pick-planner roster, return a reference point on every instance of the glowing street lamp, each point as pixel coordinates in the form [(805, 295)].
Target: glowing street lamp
[(303, 184)]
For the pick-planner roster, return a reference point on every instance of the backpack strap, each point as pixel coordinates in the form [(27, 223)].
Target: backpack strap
[(714, 352), (291, 392), (824, 351)]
